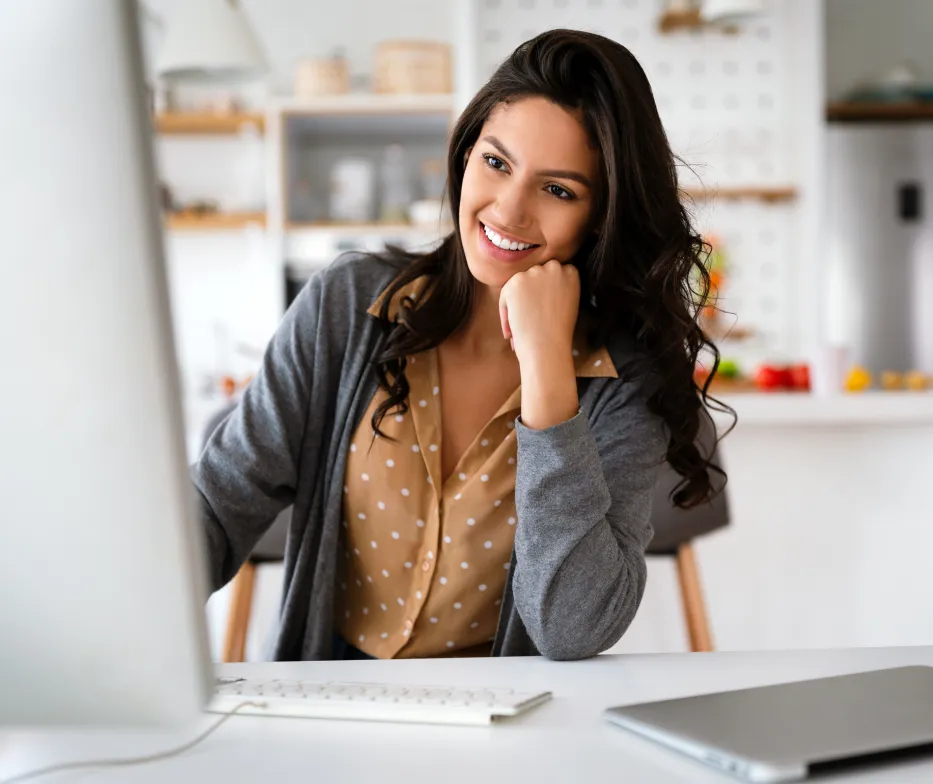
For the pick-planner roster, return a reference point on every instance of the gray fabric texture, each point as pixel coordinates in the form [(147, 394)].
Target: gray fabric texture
[(583, 488)]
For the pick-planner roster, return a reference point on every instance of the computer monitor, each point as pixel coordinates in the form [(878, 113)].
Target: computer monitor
[(102, 584)]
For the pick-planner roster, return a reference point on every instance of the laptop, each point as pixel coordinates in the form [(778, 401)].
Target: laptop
[(791, 730)]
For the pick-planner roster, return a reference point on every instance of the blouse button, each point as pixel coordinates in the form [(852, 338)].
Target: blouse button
[(426, 565)]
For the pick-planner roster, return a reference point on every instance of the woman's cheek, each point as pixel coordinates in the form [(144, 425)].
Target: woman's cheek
[(566, 236)]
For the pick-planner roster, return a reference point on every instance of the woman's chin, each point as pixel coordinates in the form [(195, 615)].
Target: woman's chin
[(488, 273)]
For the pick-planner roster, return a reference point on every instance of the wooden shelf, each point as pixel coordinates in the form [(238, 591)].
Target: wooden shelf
[(213, 221), (371, 229), (370, 103), (728, 386), (690, 19), (766, 194), (184, 123), (857, 111), (723, 333), (671, 21)]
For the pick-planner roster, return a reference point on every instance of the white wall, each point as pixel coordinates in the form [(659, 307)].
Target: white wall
[(867, 37)]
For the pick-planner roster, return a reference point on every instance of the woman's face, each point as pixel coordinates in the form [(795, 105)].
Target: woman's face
[(529, 185)]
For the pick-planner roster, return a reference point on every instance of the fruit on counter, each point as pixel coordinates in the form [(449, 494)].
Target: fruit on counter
[(769, 378), (916, 381), (729, 368), (892, 380), (772, 378), (913, 380), (800, 377), (728, 374), (857, 380)]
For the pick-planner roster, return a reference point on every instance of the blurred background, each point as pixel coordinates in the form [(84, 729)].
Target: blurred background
[(288, 131)]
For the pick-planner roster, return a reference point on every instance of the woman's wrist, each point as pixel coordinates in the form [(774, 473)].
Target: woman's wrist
[(549, 390)]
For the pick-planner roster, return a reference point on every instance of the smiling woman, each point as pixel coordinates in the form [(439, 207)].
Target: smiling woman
[(471, 437)]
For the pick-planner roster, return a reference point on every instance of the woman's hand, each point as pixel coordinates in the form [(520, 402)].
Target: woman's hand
[(539, 309)]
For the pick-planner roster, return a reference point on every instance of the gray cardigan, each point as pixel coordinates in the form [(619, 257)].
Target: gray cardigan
[(583, 488)]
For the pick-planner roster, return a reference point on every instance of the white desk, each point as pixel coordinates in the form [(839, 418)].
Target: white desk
[(563, 741)]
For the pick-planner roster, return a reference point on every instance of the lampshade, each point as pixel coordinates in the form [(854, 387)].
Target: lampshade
[(730, 11), (210, 40)]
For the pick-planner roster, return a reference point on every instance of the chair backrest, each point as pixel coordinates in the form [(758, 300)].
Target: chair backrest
[(674, 526), (271, 547)]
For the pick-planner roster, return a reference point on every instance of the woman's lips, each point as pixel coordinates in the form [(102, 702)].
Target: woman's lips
[(498, 253)]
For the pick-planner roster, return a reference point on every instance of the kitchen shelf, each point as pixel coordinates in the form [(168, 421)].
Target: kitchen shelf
[(369, 103), (857, 111), (671, 21), (766, 194), (689, 19), (369, 229), (728, 386), (213, 221), (193, 123)]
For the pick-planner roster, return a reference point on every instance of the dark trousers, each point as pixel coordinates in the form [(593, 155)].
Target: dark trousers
[(343, 651)]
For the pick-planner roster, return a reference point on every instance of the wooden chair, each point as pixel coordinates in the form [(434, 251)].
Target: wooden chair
[(271, 549), (674, 533)]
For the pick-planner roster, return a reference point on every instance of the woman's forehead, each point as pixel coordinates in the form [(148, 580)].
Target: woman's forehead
[(539, 132)]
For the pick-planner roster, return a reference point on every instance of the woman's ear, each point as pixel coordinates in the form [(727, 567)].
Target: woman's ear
[(466, 155)]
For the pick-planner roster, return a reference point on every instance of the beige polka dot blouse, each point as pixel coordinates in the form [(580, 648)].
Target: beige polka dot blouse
[(423, 562)]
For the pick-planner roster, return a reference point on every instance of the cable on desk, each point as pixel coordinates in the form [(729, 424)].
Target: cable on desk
[(120, 763)]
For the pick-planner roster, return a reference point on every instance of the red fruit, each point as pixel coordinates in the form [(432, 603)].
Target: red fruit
[(769, 378), (799, 377)]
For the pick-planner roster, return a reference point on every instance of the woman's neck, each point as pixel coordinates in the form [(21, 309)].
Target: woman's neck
[(481, 337)]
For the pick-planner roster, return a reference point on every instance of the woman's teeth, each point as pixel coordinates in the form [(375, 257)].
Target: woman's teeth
[(505, 244)]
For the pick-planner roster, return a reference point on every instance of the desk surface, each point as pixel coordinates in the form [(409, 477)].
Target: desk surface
[(562, 741)]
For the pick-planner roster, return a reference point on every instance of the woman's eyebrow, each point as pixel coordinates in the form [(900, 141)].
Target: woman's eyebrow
[(563, 174)]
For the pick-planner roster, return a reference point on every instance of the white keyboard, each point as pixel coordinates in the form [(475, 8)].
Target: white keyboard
[(371, 701)]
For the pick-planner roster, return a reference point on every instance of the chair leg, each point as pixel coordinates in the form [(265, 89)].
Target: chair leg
[(694, 606), (241, 604)]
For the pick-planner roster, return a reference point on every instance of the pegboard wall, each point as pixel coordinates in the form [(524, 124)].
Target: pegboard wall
[(725, 102)]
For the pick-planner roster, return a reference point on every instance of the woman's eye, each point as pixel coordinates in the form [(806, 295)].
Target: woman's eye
[(493, 162), (560, 193)]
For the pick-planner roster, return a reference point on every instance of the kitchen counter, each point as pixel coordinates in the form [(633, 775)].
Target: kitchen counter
[(830, 538), (802, 409)]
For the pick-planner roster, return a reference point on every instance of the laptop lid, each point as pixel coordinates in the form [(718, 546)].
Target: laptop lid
[(780, 733)]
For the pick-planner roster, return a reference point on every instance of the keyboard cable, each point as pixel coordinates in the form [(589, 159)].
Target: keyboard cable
[(121, 763)]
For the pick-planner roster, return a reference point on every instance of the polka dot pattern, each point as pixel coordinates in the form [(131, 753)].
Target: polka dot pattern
[(440, 547)]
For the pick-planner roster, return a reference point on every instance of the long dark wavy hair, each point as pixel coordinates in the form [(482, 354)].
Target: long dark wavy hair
[(642, 273)]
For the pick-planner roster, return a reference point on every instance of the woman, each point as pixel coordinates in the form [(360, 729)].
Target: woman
[(470, 437)]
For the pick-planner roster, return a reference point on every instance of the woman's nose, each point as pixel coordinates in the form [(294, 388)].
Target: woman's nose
[(511, 207)]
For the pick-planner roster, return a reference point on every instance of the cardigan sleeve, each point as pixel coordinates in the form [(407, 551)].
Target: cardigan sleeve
[(248, 470), (583, 494)]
